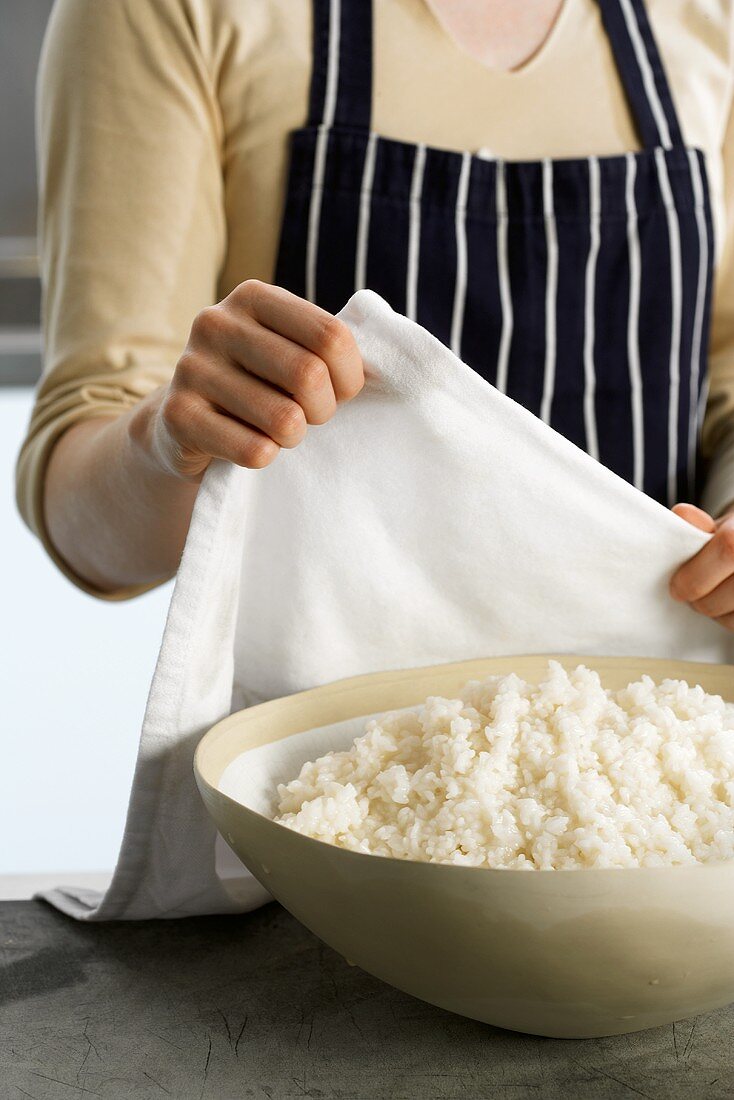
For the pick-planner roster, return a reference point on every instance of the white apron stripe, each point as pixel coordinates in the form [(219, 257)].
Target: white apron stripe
[(317, 183), (675, 322), (592, 442), (503, 272), (457, 320), (365, 200), (332, 75), (414, 236), (550, 292), (703, 258), (633, 318), (646, 72)]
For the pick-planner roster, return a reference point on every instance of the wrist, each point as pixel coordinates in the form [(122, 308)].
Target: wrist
[(150, 442), (139, 427)]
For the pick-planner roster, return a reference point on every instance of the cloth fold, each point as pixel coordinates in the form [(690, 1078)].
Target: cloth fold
[(432, 519)]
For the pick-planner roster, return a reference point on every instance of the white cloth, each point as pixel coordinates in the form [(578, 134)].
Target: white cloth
[(433, 519)]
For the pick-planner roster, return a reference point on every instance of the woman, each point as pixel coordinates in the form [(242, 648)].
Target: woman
[(578, 282)]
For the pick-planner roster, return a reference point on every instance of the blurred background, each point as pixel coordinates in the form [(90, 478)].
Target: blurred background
[(74, 671)]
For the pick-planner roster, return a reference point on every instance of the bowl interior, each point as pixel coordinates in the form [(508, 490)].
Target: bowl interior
[(252, 777), (281, 735)]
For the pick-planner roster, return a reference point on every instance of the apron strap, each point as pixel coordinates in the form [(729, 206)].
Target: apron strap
[(642, 72), (341, 74)]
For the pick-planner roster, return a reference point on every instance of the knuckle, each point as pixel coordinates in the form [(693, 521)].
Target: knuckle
[(209, 322), (680, 588), (309, 373), (335, 338), (250, 292), (187, 369), (258, 453), (288, 421), (693, 593), (176, 410), (351, 386)]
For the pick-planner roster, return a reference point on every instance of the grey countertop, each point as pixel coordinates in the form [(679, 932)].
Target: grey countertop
[(216, 1008)]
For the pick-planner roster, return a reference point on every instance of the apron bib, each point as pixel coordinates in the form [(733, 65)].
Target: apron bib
[(579, 287), (435, 518)]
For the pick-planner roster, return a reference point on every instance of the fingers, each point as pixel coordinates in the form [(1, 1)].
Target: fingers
[(706, 581), (258, 368), (248, 399), (195, 427), (295, 370), (695, 516), (309, 327), (719, 602)]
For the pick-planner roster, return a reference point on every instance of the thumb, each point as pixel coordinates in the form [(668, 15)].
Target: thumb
[(695, 516)]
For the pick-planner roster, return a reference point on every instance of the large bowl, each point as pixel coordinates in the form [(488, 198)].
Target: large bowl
[(559, 953)]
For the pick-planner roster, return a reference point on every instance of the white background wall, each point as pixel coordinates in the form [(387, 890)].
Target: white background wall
[(74, 675)]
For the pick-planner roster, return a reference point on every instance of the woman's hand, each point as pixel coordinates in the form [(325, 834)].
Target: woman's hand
[(706, 581), (258, 369)]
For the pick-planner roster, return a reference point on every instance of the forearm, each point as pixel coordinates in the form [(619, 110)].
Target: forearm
[(112, 512)]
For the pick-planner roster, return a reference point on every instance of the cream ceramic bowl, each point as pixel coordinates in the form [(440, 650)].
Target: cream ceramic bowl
[(559, 953)]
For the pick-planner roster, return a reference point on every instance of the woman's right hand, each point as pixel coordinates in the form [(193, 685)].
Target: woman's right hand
[(259, 367)]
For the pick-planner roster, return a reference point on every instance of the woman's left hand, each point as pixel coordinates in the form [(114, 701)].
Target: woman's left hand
[(706, 581)]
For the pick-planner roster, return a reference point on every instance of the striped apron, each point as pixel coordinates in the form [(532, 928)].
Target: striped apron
[(580, 287)]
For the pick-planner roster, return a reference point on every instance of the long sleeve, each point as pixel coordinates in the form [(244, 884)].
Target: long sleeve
[(131, 213)]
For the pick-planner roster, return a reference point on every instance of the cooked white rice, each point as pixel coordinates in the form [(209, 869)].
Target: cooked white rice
[(561, 774)]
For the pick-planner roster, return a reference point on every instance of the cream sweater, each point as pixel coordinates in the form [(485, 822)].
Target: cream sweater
[(163, 131)]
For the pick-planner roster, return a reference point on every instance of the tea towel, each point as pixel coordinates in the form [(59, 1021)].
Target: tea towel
[(432, 519)]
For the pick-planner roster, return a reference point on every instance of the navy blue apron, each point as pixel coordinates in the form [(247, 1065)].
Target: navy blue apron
[(580, 287)]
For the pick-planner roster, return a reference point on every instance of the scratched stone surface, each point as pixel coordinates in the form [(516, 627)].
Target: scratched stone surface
[(220, 1008)]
